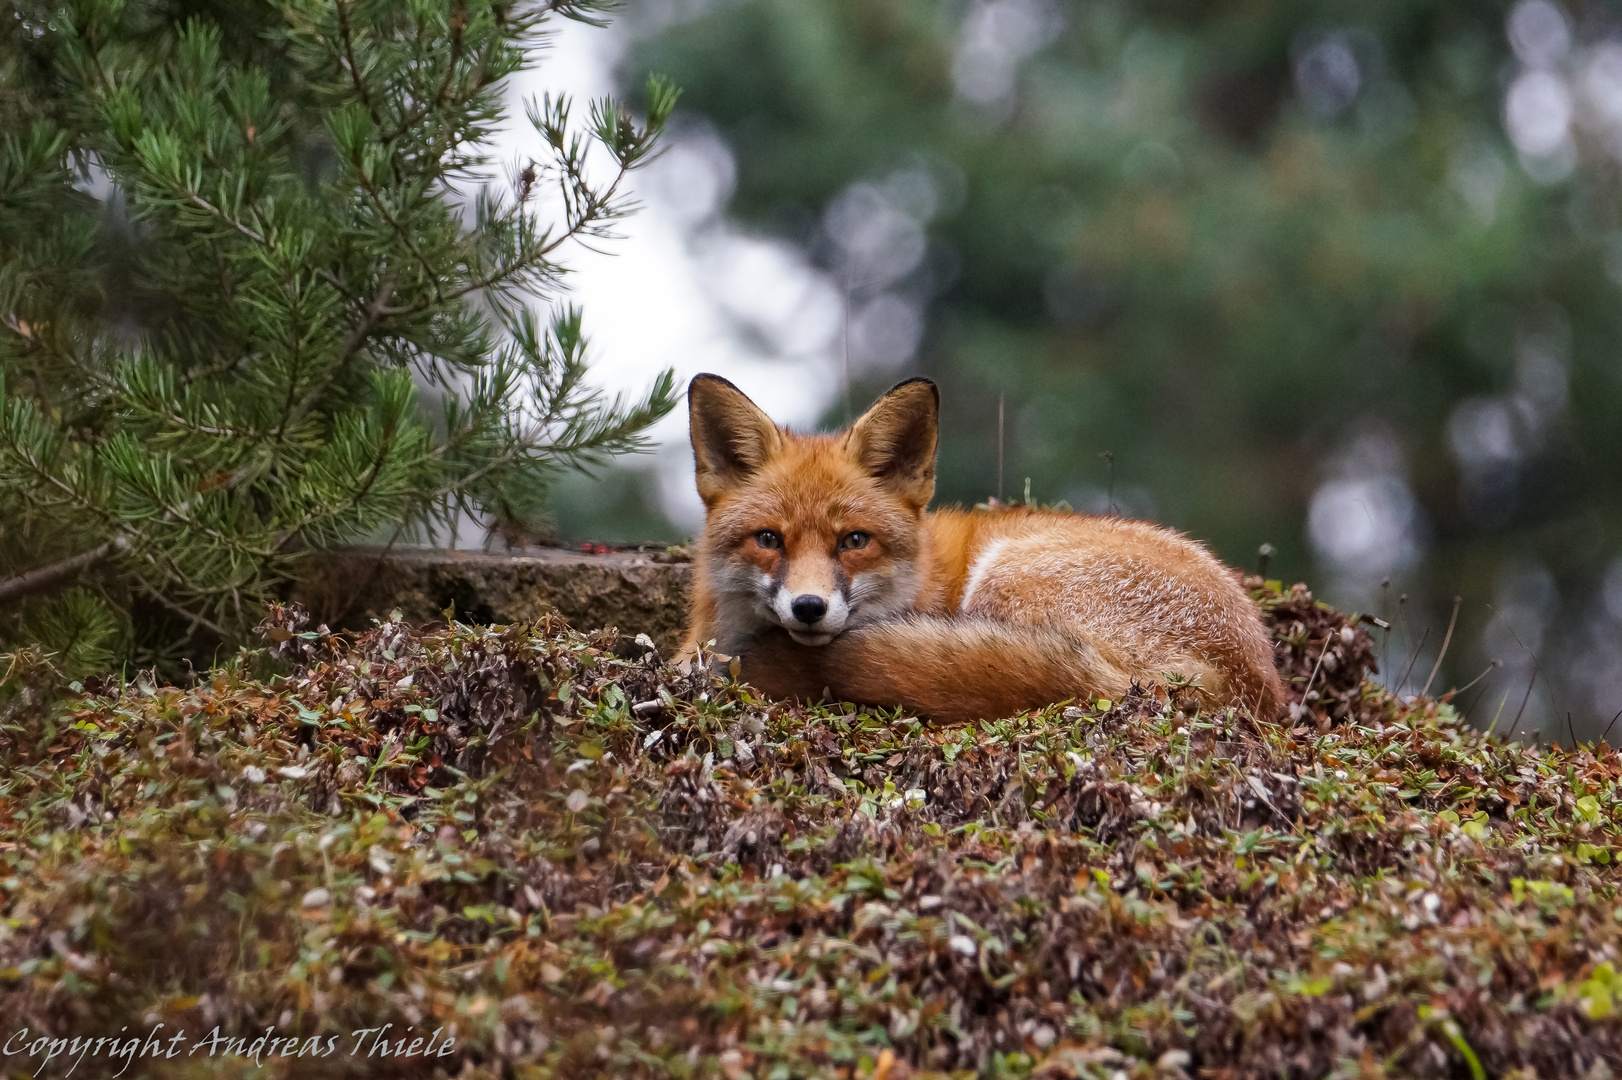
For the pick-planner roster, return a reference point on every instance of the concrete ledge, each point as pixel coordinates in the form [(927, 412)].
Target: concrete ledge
[(636, 591)]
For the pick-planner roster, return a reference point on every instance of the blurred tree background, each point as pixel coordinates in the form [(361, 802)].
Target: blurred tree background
[(1343, 278)]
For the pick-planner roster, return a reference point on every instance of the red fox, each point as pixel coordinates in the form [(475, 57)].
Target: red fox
[(821, 569)]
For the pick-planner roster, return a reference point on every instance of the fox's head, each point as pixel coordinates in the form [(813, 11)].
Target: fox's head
[(813, 533)]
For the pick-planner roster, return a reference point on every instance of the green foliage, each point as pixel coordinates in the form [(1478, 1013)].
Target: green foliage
[(257, 294)]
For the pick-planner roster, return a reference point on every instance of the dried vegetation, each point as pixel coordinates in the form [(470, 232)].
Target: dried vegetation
[(583, 863)]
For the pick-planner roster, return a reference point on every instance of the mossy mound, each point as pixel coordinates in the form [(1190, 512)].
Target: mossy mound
[(578, 861)]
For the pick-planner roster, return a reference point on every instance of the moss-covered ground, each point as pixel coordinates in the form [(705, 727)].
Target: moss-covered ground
[(574, 861)]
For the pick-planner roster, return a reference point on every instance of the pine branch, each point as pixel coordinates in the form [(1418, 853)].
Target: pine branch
[(259, 238), (357, 337), (194, 619), (430, 272), (60, 573), (266, 398), (418, 114), (347, 39)]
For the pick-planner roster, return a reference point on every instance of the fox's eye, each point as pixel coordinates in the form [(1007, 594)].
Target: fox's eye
[(852, 541), (766, 538)]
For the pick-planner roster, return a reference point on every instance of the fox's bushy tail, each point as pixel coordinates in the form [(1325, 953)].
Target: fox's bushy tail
[(968, 669), (957, 669)]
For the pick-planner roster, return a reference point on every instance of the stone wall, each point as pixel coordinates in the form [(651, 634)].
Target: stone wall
[(636, 591)]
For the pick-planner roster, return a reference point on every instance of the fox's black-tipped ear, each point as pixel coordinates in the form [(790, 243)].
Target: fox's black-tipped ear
[(731, 436), (895, 440)]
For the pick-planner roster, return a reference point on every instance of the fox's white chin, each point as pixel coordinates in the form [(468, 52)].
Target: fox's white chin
[(807, 638)]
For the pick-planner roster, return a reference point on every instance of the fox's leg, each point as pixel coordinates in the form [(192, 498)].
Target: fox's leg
[(947, 669), (780, 667)]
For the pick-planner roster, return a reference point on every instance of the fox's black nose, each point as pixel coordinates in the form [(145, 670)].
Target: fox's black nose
[(808, 608)]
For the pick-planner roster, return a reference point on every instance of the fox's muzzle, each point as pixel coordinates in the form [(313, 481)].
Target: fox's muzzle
[(811, 618)]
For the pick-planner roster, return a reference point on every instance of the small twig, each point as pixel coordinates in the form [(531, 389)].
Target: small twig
[(1001, 398), (1109, 467), (1316, 668), (1399, 622), (422, 110), (1608, 727), (1501, 703), (241, 227), (1533, 681), (259, 238), (346, 37), (377, 567), (599, 206), (357, 337), (1260, 791), (1470, 709), (1414, 659), (45, 578), (194, 618), (1536, 669), (1446, 641), (1457, 690), (1385, 615)]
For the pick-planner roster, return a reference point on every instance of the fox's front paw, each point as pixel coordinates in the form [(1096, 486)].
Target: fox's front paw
[(779, 667)]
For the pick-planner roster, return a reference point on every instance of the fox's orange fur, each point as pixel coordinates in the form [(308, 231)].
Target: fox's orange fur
[(958, 615)]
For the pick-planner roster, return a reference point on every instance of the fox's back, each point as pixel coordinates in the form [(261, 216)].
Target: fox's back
[(1161, 601)]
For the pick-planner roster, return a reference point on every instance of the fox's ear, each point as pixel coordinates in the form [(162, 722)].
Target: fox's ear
[(895, 440), (731, 436)]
